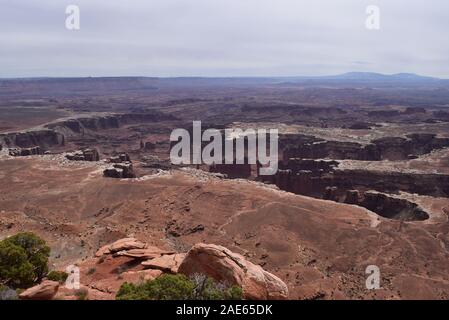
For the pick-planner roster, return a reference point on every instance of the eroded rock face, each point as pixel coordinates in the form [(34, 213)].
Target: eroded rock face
[(29, 139), (146, 253), (122, 157), (311, 177), (84, 155), (167, 263), (22, 152), (330, 193), (123, 170), (393, 208), (392, 182), (120, 245), (46, 290), (224, 265), (81, 125), (352, 197), (386, 148)]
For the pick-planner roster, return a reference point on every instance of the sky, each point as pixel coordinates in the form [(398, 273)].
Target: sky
[(222, 38)]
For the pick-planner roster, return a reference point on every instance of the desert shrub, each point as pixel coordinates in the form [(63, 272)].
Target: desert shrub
[(81, 294), (6, 293), (178, 287), (35, 249), (15, 270), (165, 287), (23, 260), (207, 289), (59, 276)]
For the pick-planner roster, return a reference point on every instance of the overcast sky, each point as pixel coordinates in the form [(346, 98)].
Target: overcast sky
[(222, 38)]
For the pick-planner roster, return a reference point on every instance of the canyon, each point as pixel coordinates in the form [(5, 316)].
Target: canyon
[(363, 178)]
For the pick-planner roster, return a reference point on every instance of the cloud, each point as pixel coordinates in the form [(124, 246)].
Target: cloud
[(222, 38)]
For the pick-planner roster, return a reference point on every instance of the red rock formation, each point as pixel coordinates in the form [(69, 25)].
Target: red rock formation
[(120, 245), (46, 290), (122, 170), (83, 125), (167, 263), (392, 207), (386, 148), (122, 157), (29, 139), (224, 265), (84, 155), (21, 152), (145, 253)]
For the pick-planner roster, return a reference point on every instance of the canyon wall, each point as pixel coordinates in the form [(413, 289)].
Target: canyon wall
[(388, 148), (42, 138)]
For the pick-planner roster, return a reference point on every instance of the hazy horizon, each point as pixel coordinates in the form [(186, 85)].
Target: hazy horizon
[(227, 77), (223, 38)]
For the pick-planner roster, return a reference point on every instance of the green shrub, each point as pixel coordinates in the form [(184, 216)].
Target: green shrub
[(59, 276), (207, 289), (81, 294), (179, 287), (23, 260)]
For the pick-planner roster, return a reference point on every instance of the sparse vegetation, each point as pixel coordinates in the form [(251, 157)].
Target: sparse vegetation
[(59, 276), (6, 293), (91, 271), (81, 294), (23, 260), (179, 287)]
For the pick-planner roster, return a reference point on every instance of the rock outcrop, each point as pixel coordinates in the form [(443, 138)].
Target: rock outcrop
[(120, 245), (330, 193), (155, 162), (22, 152), (46, 290), (145, 253), (352, 197), (224, 265), (167, 263), (32, 138), (123, 170), (392, 207), (84, 155), (211, 260), (122, 157), (386, 148), (82, 125)]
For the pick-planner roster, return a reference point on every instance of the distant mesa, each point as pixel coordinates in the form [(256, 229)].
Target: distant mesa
[(84, 155), (373, 76)]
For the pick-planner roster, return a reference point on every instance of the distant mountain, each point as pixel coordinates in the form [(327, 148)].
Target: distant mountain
[(372, 76)]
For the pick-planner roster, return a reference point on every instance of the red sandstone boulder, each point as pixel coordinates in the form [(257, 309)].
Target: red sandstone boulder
[(120, 245), (46, 290), (147, 253), (224, 265), (167, 263)]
